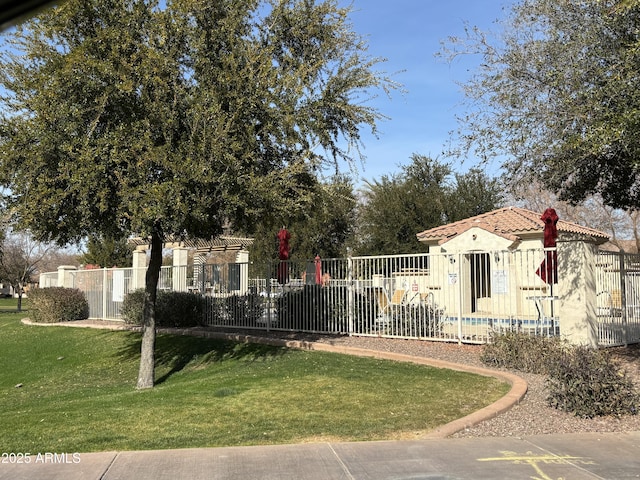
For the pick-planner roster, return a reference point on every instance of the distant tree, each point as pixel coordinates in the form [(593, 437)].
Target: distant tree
[(108, 252), (22, 257), (557, 95), (324, 229), (474, 192), (622, 225), (424, 195), (129, 117), (59, 256)]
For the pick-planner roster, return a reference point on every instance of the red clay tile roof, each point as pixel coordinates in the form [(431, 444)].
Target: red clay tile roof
[(508, 222)]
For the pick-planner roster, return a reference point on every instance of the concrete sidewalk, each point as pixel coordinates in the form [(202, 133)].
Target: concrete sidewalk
[(612, 456)]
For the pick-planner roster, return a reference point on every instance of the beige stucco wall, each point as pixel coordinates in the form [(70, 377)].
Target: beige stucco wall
[(476, 239), (512, 264), (577, 292), (572, 302)]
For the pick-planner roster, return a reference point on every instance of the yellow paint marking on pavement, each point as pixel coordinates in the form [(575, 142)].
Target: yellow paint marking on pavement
[(535, 460)]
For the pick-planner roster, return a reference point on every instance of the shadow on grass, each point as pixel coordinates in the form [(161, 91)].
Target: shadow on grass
[(176, 352)]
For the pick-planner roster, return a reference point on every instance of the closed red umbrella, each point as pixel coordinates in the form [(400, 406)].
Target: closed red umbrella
[(318, 264), (548, 269), (283, 255)]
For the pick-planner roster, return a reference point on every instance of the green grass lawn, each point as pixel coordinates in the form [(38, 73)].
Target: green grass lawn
[(68, 389), (9, 304)]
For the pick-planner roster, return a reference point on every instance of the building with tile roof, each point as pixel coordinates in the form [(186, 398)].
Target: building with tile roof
[(512, 225), (495, 265)]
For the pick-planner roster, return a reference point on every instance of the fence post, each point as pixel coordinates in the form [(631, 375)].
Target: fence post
[(351, 301), (65, 279), (623, 296), (269, 298), (104, 293), (460, 282)]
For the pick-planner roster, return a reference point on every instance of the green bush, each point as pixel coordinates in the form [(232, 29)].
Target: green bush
[(173, 309), (580, 380), (415, 320), (519, 351), (235, 310), (132, 307), (588, 383), (179, 309), (57, 304)]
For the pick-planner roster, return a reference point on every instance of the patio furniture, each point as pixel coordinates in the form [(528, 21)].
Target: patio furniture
[(545, 324)]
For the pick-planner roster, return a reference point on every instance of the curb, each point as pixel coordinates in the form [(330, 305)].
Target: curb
[(513, 397)]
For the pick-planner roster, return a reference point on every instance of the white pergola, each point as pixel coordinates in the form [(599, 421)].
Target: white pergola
[(180, 251)]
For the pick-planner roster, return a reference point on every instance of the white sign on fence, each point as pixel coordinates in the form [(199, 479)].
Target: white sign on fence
[(118, 286), (500, 282)]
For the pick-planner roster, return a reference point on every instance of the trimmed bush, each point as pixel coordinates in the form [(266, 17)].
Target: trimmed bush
[(57, 304), (173, 309), (313, 308), (179, 309), (235, 310)]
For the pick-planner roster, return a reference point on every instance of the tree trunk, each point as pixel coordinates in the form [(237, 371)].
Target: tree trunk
[(20, 298), (146, 374)]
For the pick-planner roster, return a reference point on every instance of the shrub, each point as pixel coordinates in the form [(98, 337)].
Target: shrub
[(132, 307), (313, 308), (244, 309), (580, 380), (588, 383), (522, 352), (179, 309), (216, 311), (234, 310), (416, 320), (173, 309), (58, 304)]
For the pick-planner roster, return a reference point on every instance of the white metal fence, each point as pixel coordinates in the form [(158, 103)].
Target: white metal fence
[(439, 297), (618, 298), (450, 297)]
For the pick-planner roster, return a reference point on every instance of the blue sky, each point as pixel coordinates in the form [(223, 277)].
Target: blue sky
[(408, 33)]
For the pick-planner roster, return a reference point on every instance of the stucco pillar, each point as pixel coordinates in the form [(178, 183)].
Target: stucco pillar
[(577, 292), (65, 276), (242, 259), (180, 262), (139, 269)]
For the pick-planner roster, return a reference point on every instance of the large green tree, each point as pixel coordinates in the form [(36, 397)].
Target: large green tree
[(557, 97), (325, 229), (129, 117), (107, 252), (426, 193)]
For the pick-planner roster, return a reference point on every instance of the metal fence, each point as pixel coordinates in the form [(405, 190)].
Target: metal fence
[(450, 297), (618, 298), (438, 297)]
